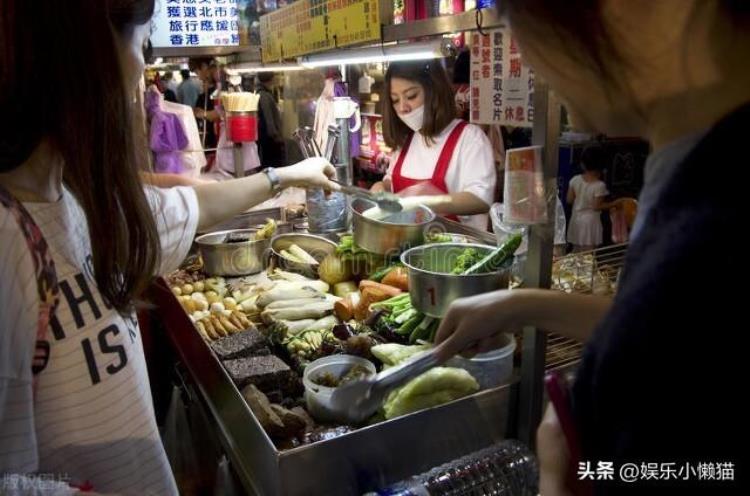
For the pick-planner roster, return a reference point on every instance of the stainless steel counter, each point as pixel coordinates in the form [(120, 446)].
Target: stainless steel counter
[(350, 464)]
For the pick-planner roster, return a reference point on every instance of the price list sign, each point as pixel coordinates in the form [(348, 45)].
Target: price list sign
[(309, 26)]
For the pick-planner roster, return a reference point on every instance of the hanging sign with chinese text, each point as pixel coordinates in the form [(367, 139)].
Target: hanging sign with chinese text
[(196, 23), (309, 26), (502, 88)]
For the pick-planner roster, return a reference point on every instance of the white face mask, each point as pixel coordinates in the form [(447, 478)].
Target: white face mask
[(414, 119)]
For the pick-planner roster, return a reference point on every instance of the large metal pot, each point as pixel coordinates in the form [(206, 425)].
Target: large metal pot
[(393, 234), (318, 248), (431, 286), (231, 259)]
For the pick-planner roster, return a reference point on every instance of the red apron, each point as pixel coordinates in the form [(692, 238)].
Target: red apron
[(400, 182)]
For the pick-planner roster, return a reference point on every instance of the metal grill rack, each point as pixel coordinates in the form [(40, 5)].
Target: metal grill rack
[(590, 272)]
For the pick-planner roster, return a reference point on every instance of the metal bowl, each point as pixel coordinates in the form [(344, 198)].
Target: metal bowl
[(317, 397), (231, 259), (395, 233), (431, 286), (316, 246), (282, 227)]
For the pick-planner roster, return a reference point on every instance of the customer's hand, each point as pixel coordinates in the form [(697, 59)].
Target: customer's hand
[(554, 458), (476, 324), (313, 172)]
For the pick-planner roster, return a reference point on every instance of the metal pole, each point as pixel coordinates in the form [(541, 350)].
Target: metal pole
[(538, 268), (239, 165), (343, 163)]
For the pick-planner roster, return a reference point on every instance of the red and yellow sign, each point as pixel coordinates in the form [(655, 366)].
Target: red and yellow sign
[(309, 26)]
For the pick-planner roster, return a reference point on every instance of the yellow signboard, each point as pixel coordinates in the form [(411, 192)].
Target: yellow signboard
[(309, 26)]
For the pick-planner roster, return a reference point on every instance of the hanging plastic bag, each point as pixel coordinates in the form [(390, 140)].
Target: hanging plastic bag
[(180, 446), (226, 483), (619, 226), (524, 195)]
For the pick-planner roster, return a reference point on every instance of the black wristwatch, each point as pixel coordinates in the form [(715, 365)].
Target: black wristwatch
[(273, 178)]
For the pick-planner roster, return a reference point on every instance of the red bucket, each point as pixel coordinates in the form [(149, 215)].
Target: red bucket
[(242, 127)]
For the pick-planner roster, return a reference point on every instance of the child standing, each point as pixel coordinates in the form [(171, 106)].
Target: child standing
[(586, 193)]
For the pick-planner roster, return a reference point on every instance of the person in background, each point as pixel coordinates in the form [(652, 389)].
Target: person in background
[(462, 84), (444, 159), (188, 90), (270, 138), (82, 237), (170, 87), (247, 83), (207, 71), (675, 73), (587, 193)]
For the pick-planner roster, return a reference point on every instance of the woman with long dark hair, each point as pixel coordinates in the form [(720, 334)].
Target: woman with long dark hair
[(676, 73), (81, 239)]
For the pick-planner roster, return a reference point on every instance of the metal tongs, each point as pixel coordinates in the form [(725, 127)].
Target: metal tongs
[(334, 133), (387, 202), (305, 146), (305, 138), (357, 401)]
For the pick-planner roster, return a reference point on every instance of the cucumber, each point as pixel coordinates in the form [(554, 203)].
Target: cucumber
[(495, 260)]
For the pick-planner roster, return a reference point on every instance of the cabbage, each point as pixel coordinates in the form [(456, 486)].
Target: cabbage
[(392, 353), (435, 387)]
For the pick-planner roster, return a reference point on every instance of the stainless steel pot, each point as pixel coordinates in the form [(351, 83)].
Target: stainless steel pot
[(431, 286), (316, 246), (392, 235), (231, 259)]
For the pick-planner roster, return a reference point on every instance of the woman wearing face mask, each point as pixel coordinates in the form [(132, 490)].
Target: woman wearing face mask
[(74, 391), (437, 156)]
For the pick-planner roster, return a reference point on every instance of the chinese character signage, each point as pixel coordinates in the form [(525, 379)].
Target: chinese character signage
[(502, 88), (196, 23), (309, 26)]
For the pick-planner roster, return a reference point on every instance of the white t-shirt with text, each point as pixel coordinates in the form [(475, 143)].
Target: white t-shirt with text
[(92, 418)]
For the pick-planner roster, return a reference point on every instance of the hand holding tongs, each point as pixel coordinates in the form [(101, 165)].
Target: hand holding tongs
[(387, 202), (357, 401)]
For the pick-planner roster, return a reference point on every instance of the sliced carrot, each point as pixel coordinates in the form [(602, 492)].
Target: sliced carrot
[(398, 278), (388, 290)]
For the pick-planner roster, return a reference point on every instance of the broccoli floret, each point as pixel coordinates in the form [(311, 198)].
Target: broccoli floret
[(439, 238), (465, 260)]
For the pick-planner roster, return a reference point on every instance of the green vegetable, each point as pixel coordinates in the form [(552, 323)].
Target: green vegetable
[(391, 303), (361, 261), (433, 330), (347, 246), (302, 255), (406, 315), (423, 330), (438, 238), (393, 354), (291, 256), (334, 270), (411, 324), (468, 258), (306, 343), (497, 258), (435, 387)]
